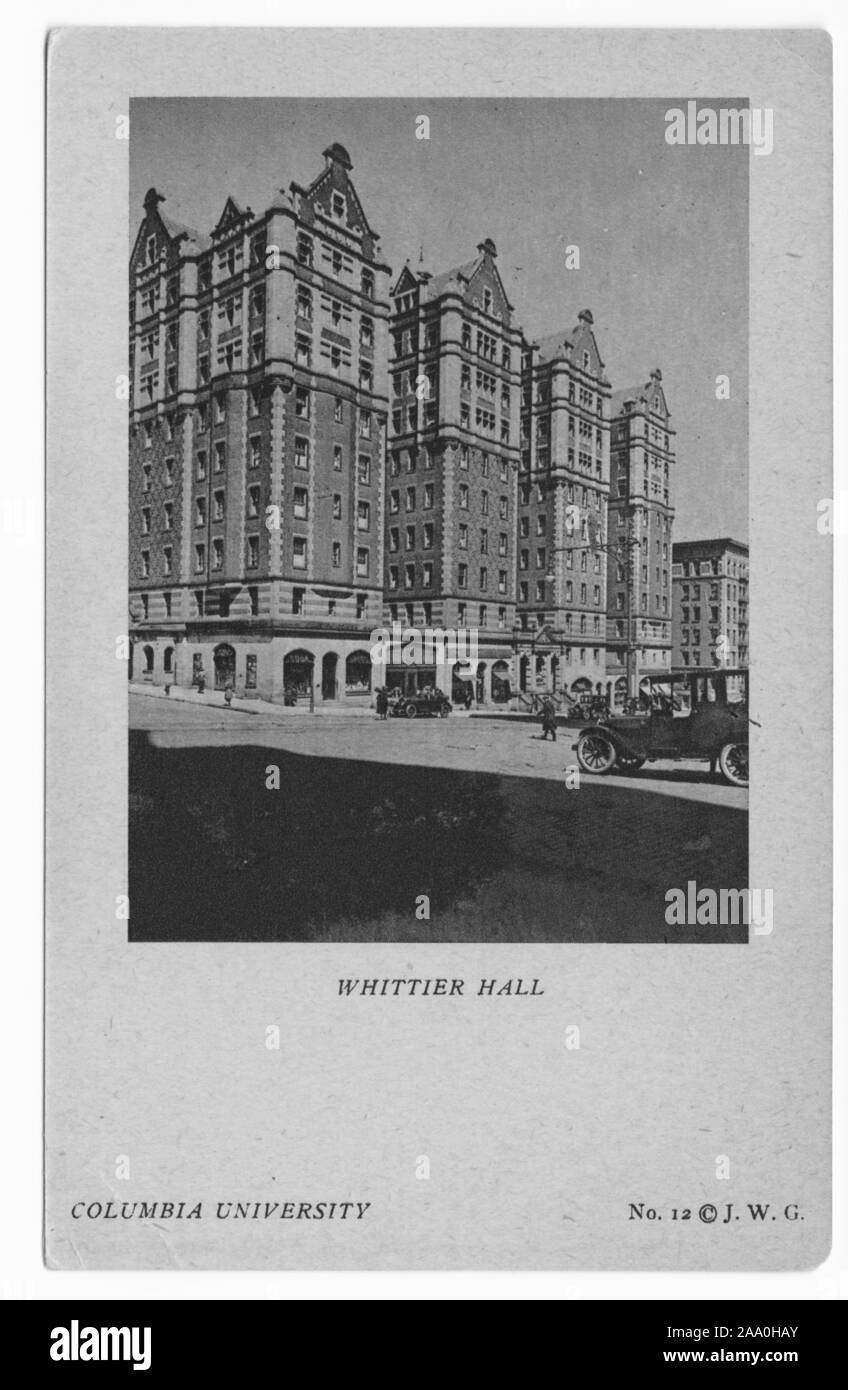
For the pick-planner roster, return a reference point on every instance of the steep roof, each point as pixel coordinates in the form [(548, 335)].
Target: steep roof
[(177, 229), (439, 283)]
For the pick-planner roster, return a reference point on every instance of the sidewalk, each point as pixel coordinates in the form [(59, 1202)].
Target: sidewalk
[(215, 699)]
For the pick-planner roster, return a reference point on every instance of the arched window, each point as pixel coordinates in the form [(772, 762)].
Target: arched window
[(297, 671), (148, 660), (224, 658), (168, 661), (358, 673)]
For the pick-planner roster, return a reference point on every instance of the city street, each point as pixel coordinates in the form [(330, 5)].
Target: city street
[(368, 815)]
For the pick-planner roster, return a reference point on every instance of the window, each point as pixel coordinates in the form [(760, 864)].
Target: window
[(364, 468), (299, 553), (427, 574), (199, 558), (252, 552), (255, 450), (301, 402), (298, 596), (304, 249), (484, 541), (366, 332), (484, 616), (168, 556), (363, 560), (255, 400), (253, 499), (218, 553), (338, 411), (363, 516), (220, 456), (503, 508), (463, 537), (428, 535), (337, 554), (169, 516), (302, 349), (367, 284), (145, 564), (201, 465), (463, 495), (365, 424), (484, 577), (218, 507), (462, 576), (394, 500), (410, 537), (393, 576), (410, 499), (146, 474), (200, 511), (301, 452), (428, 495), (220, 408)]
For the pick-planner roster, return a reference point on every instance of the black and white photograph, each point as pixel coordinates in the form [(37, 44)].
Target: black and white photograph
[(440, 515), (438, 520)]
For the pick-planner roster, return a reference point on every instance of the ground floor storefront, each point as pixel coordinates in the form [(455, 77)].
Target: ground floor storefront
[(288, 668)]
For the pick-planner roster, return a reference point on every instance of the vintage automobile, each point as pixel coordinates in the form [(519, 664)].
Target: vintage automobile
[(686, 713), (422, 702)]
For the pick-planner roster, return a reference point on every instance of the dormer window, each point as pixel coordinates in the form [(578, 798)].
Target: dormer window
[(586, 361), (338, 205), (487, 300), (151, 250)]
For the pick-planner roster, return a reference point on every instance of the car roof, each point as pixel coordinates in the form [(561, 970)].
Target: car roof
[(677, 671)]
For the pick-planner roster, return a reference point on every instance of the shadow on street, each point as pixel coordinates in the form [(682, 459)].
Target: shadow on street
[(344, 848)]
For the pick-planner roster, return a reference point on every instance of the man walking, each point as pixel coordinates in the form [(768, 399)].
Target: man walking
[(548, 719)]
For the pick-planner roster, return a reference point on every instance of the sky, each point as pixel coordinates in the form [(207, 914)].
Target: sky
[(662, 230)]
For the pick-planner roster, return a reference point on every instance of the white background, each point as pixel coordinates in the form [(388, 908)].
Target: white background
[(21, 501)]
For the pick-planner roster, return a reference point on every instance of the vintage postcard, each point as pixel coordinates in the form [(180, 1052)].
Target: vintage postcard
[(439, 658)]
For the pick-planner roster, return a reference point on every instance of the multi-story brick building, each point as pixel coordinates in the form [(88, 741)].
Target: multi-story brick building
[(451, 490), (560, 640), (258, 433), (710, 608), (639, 537)]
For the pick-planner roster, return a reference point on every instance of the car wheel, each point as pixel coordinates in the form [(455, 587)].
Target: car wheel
[(595, 752), (630, 762), (733, 761), (410, 711)]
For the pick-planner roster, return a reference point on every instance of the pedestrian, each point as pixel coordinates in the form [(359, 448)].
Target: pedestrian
[(201, 683), (548, 719), (228, 694), (469, 696), (382, 702)]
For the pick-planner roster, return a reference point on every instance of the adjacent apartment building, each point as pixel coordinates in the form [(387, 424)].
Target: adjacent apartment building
[(639, 531), (560, 641), (258, 417), (451, 491), (710, 619)]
